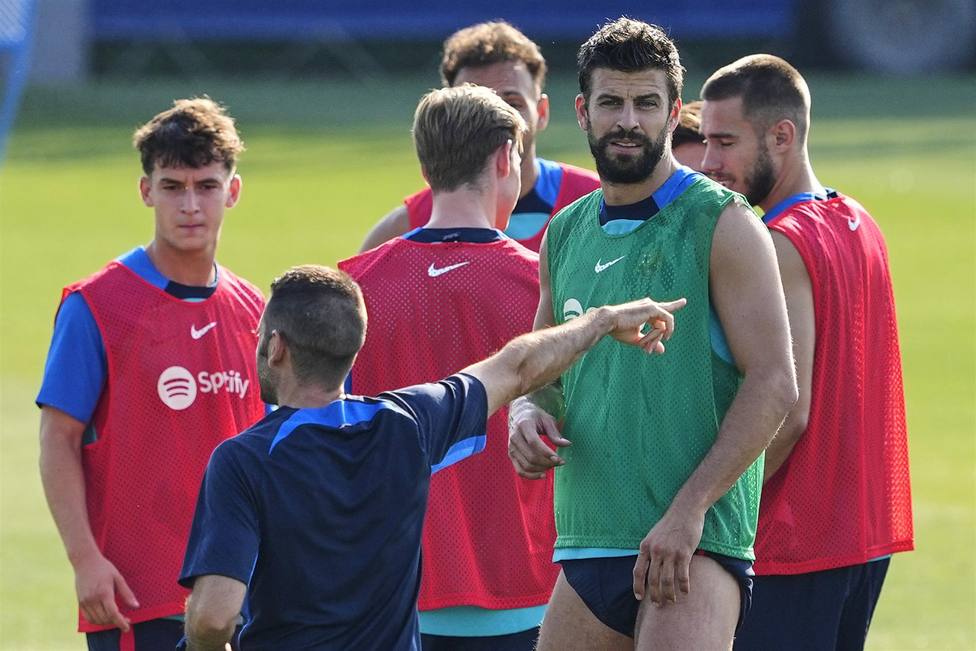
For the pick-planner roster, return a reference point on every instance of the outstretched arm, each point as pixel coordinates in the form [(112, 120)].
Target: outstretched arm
[(748, 296)]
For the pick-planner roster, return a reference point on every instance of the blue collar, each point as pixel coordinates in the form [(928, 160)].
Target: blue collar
[(792, 200)]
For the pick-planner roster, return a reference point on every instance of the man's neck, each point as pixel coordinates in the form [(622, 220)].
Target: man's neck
[(529, 171), (795, 177), (462, 208), (622, 194), (306, 396), (194, 268)]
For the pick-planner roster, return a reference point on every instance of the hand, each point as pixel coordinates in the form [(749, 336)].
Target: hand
[(97, 583), (665, 557), (526, 424), (630, 318)]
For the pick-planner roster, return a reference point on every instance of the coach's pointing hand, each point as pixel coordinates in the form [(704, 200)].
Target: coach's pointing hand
[(630, 319)]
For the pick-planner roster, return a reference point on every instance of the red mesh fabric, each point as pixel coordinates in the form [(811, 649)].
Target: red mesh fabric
[(171, 397), (488, 534), (844, 496)]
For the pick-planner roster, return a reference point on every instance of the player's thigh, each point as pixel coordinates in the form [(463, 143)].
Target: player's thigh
[(570, 625), (703, 620), (866, 583)]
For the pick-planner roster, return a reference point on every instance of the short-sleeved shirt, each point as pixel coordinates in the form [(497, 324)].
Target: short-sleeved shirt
[(320, 512)]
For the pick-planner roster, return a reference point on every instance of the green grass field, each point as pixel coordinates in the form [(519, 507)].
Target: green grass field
[(326, 159)]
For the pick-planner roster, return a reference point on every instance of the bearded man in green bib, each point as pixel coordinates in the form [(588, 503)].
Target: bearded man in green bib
[(657, 498)]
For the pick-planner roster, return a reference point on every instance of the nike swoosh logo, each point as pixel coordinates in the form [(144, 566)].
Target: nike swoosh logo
[(602, 267), (854, 223), (434, 272), (196, 334)]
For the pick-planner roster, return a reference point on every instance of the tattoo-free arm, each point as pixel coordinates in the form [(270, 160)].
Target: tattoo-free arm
[(97, 581), (211, 612), (747, 294), (799, 307), (393, 224)]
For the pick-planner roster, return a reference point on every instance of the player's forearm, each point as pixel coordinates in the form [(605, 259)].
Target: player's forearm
[(754, 416), (63, 479)]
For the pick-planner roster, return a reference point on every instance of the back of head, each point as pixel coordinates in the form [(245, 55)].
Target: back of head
[(320, 314), (194, 133), (487, 43), (771, 90), (629, 45), (456, 130), (688, 130)]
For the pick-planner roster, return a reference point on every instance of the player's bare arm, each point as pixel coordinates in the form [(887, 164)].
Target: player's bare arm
[(212, 611), (799, 308), (393, 224), (747, 294), (97, 581)]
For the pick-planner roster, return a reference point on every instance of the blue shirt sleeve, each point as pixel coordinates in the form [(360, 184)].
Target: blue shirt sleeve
[(225, 534), (451, 415), (76, 367)]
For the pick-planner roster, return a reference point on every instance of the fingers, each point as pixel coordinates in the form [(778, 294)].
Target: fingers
[(640, 573), (552, 431), (666, 594), (683, 574), (122, 590), (531, 457), (654, 578)]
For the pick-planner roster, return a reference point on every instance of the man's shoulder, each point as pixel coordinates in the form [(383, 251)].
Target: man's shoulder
[(241, 285)]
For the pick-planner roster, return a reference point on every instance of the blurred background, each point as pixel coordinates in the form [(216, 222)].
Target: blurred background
[(324, 93)]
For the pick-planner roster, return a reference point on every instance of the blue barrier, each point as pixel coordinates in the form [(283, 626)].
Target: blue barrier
[(16, 28), (332, 20)]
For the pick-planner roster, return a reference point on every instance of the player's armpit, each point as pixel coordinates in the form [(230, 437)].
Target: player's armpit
[(393, 224)]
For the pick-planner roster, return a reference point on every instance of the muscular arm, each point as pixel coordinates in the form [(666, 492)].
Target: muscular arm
[(97, 581), (799, 308), (393, 224), (747, 294), (212, 611)]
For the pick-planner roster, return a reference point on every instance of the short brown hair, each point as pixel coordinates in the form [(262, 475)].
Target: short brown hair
[(320, 314), (771, 90), (487, 43), (689, 125), (457, 129), (194, 133), (630, 45)]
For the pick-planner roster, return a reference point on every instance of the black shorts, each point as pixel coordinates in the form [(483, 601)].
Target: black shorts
[(522, 641), (830, 609), (606, 586), (154, 635)]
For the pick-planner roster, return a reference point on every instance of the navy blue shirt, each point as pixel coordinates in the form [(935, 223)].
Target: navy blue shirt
[(320, 512)]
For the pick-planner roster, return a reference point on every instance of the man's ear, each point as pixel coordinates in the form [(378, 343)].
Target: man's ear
[(503, 159), (675, 116), (236, 183), (145, 186), (783, 134), (277, 348), (542, 110), (582, 117)]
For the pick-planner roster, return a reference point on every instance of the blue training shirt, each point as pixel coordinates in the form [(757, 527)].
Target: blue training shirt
[(320, 512)]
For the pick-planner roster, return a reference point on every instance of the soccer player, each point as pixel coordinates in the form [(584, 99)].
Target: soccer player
[(463, 289), (836, 499), (687, 143), (673, 444), (150, 367), (315, 513), (500, 57)]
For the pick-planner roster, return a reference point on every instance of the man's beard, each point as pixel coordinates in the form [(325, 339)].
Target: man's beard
[(266, 379), (761, 178), (626, 170)]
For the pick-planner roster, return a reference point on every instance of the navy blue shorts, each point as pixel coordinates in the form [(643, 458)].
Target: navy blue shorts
[(606, 586), (831, 609), (523, 641), (154, 635)]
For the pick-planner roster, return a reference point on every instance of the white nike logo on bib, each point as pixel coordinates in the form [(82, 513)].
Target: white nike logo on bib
[(196, 334), (854, 223), (602, 267), (433, 271)]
